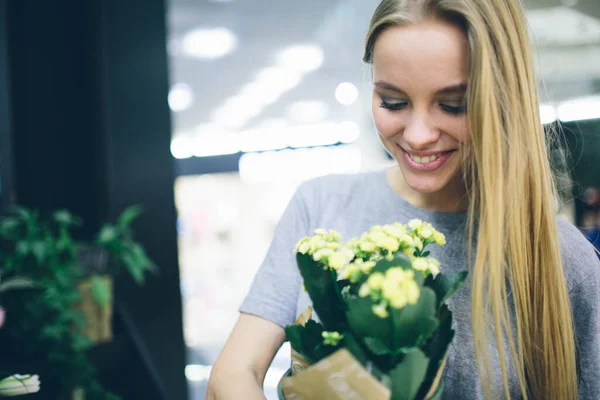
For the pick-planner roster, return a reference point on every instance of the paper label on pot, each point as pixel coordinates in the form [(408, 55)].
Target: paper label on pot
[(338, 377)]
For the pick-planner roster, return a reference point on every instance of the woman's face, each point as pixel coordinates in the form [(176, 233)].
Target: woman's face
[(420, 76)]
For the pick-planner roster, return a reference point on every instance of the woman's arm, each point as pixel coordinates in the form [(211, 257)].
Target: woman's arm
[(241, 367)]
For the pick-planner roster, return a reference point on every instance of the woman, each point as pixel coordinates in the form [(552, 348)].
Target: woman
[(455, 103)]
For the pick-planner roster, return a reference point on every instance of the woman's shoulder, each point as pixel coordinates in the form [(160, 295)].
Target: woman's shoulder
[(580, 259)]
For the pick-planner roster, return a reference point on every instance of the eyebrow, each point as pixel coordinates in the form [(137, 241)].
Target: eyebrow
[(459, 88)]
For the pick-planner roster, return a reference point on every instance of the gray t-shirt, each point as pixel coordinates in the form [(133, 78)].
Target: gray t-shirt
[(351, 204)]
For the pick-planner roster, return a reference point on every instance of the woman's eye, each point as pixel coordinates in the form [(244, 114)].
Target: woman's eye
[(393, 105), (454, 109)]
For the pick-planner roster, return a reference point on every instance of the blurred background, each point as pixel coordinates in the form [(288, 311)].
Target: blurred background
[(209, 113), (266, 94)]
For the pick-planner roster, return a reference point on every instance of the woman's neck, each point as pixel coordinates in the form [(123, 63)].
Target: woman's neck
[(453, 198)]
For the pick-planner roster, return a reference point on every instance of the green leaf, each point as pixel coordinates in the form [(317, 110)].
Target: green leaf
[(39, 250), (436, 348), (22, 248), (9, 226), (64, 217), (15, 284), (107, 234), (307, 340), (127, 216), (408, 375), (293, 334), (354, 347), (319, 284), (377, 347), (416, 322), (133, 267), (101, 290), (426, 254), (446, 284), (366, 324)]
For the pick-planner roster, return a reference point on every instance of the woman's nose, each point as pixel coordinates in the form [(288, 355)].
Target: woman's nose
[(419, 135)]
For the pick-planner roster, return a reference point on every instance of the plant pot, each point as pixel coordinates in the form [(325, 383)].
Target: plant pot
[(98, 328)]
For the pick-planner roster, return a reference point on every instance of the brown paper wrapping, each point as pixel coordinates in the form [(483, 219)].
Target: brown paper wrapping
[(338, 377)]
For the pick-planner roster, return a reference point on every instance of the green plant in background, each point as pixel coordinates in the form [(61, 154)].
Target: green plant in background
[(382, 298), (123, 252), (44, 320)]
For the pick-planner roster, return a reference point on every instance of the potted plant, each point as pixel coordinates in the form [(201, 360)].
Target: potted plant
[(70, 306)]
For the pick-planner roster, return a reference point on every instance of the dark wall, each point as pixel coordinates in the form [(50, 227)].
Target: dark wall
[(88, 115), (5, 117)]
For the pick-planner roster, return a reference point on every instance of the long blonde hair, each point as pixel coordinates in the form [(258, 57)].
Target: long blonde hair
[(511, 198)]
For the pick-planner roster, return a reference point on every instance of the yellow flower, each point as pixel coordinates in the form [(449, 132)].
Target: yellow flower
[(397, 300), (376, 228), (352, 273), (398, 274), (434, 266), (390, 244), (367, 246), (340, 258), (381, 310), (321, 253), (407, 240), (400, 288), (364, 290), (377, 236), (366, 266), (415, 224), (303, 246), (331, 338), (420, 264), (426, 231), (439, 237), (396, 230), (321, 232), (418, 243), (375, 281), (412, 291)]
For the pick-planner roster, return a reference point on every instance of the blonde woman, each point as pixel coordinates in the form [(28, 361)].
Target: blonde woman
[(455, 103)]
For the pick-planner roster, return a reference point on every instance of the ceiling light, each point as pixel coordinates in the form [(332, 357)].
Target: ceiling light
[(301, 58), (308, 112), (180, 147), (237, 111), (346, 93), (275, 77), (349, 131), (547, 114), (580, 109), (262, 93), (209, 43), (180, 97)]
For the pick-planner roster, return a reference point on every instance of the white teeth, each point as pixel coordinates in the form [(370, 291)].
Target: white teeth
[(424, 160)]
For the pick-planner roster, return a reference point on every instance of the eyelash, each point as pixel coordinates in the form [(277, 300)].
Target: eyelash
[(446, 108)]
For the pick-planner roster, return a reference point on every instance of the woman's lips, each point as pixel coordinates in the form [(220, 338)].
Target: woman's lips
[(429, 162)]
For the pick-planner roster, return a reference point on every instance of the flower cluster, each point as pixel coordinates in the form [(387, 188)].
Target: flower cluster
[(354, 260), (397, 288)]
